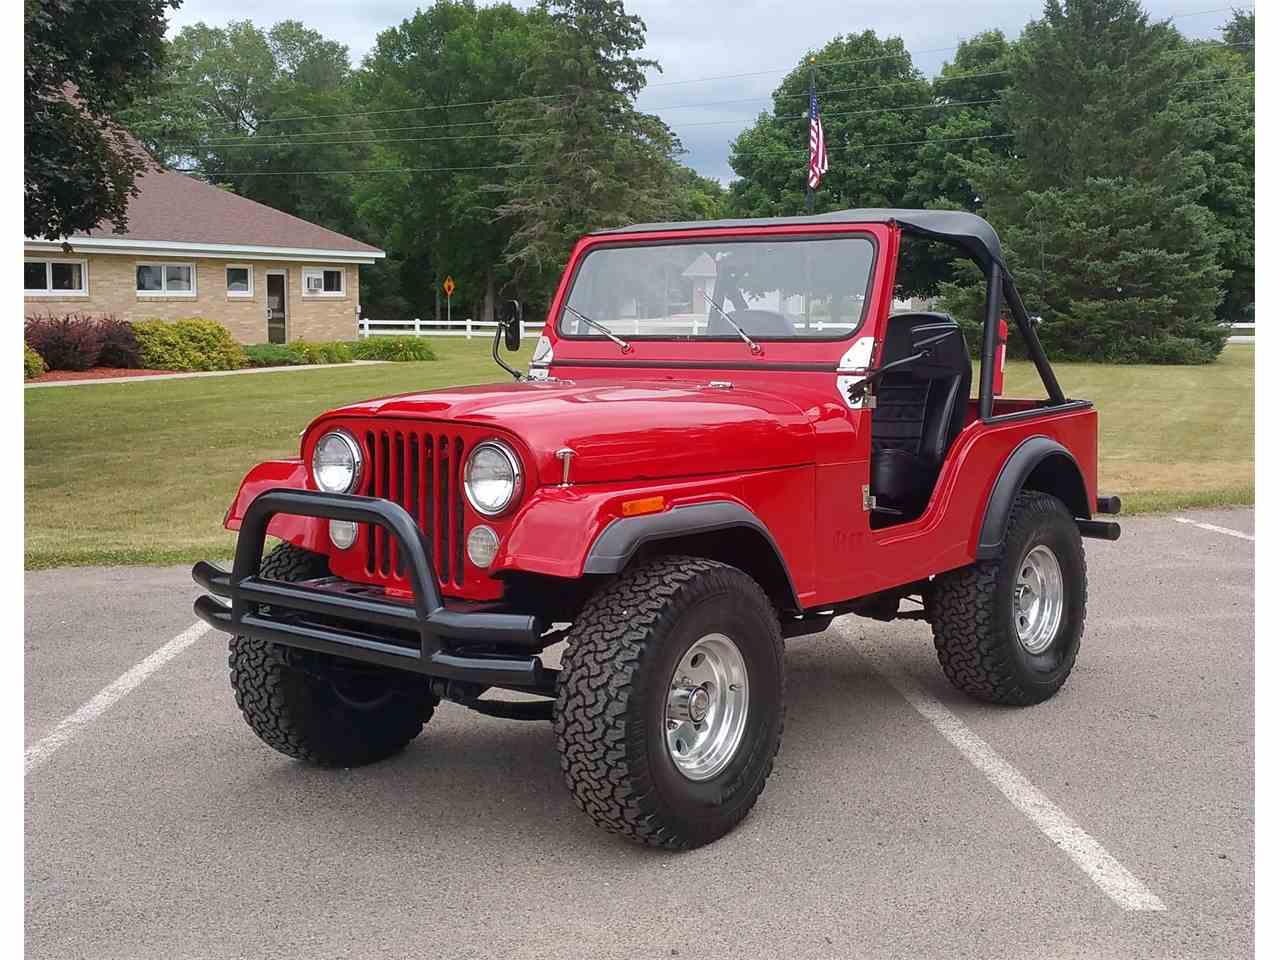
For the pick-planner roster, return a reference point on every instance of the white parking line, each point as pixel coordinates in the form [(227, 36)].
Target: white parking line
[(68, 727), (1102, 868), (1214, 527)]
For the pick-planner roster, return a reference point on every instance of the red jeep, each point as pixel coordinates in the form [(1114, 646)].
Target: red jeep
[(726, 437)]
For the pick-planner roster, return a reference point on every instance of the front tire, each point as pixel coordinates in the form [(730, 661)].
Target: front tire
[(670, 704), (1008, 630), (324, 715)]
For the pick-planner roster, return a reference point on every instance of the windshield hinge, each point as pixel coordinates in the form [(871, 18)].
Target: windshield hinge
[(868, 501)]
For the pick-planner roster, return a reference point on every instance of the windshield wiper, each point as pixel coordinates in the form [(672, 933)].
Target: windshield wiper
[(755, 347), (626, 347)]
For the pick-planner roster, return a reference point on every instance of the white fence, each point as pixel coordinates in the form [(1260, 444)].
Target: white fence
[(416, 327), (1241, 333), (690, 324)]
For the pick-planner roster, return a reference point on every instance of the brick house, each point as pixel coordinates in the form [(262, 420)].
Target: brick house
[(193, 249)]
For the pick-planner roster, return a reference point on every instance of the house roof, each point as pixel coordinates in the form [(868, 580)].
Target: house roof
[(173, 209)]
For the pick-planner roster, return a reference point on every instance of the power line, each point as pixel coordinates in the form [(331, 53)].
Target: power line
[(270, 139), (287, 140), (497, 136), (291, 138), (555, 96), (505, 166)]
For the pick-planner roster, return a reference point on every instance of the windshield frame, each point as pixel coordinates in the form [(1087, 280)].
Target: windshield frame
[(770, 237)]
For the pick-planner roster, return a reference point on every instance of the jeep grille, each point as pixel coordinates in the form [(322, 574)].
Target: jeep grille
[(421, 470)]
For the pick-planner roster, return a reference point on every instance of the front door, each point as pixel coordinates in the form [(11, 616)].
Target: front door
[(275, 307)]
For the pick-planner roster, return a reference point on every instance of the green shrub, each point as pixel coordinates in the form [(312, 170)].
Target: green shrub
[(32, 365), (190, 344), (298, 352), (400, 349), (333, 351), (271, 355)]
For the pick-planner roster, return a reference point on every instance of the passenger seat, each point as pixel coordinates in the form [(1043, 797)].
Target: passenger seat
[(920, 408)]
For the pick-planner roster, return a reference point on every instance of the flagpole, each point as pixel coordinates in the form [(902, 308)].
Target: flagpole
[(813, 90)]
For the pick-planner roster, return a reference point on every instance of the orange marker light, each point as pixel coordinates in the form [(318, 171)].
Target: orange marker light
[(635, 508)]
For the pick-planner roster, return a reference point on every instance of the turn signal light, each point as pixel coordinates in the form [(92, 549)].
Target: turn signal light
[(636, 508)]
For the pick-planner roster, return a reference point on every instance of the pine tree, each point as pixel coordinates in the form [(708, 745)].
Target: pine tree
[(585, 157), (1100, 207)]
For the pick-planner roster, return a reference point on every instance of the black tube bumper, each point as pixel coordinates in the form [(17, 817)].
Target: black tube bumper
[(422, 637)]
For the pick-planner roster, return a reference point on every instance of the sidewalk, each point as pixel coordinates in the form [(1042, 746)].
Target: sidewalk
[(206, 373)]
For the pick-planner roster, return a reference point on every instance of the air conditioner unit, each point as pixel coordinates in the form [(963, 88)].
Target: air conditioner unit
[(315, 284)]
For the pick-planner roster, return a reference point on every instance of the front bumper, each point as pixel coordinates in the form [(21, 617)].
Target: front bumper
[(347, 620)]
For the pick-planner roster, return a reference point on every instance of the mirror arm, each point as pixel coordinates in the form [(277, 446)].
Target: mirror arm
[(858, 389), (497, 339)]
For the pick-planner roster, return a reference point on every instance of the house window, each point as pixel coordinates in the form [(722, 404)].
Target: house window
[(166, 280), (54, 278), (323, 282), (239, 280)]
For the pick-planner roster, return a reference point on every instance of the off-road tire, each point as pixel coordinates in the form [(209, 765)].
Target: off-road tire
[(971, 611), (300, 713), (614, 681)]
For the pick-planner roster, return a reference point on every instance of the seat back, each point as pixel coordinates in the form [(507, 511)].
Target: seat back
[(920, 408), (755, 323)]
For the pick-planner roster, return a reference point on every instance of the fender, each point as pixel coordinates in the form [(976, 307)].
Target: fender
[(619, 542), (288, 474), (1030, 454)]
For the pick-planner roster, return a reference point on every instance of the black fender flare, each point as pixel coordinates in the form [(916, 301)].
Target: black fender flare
[(1022, 462), (619, 542)]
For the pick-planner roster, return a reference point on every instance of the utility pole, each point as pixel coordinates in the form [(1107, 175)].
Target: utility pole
[(813, 92)]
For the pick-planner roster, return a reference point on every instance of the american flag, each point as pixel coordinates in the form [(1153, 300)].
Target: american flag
[(817, 145)]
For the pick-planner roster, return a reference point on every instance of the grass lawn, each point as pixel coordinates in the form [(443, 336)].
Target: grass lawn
[(143, 472)]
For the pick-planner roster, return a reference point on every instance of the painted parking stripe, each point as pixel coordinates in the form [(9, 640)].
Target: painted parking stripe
[(1088, 854), (69, 727), (1214, 528)]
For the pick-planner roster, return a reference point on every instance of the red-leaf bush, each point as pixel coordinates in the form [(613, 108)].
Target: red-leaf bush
[(72, 342), (120, 347)]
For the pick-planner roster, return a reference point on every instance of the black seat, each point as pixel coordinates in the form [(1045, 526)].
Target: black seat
[(920, 408), (755, 323)]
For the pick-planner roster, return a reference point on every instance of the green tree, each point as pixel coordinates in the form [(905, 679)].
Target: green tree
[(874, 104), (584, 156), (970, 126), (1100, 208), (435, 81), (1238, 34), (260, 111), (696, 197), (1217, 102), (84, 61)]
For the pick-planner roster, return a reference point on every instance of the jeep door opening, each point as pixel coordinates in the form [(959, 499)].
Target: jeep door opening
[(726, 437)]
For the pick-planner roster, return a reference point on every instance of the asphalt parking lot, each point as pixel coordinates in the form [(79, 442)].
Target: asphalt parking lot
[(893, 826)]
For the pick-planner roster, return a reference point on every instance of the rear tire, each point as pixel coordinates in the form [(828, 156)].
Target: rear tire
[(999, 633), (638, 654), (323, 715)]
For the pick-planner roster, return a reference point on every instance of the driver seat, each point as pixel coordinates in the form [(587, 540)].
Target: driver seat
[(920, 409)]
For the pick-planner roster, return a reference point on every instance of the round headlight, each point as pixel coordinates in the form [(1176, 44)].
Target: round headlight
[(336, 463), (492, 478)]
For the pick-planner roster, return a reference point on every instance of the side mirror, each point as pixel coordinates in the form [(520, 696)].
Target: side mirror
[(510, 313), (511, 319)]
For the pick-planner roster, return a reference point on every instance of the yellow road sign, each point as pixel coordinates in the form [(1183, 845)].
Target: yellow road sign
[(448, 286)]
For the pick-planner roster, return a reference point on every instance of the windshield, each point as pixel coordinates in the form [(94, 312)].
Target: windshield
[(720, 289)]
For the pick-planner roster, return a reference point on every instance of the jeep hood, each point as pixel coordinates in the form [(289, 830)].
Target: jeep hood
[(619, 431)]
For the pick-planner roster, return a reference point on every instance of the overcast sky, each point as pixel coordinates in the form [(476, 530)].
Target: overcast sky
[(720, 39)]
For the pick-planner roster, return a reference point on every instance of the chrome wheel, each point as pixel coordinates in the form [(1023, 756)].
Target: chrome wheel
[(707, 707), (1038, 599)]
